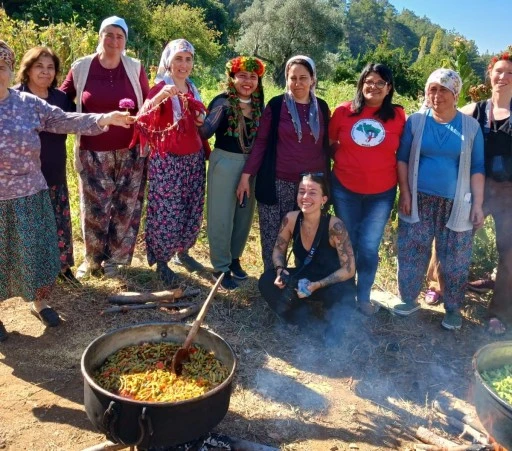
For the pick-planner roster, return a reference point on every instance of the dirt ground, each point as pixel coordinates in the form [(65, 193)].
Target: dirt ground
[(369, 391)]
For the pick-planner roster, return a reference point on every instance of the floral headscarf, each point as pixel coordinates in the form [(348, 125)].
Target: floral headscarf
[(7, 54), (173, 47), (164, 74), (314, 119), (445, 77)]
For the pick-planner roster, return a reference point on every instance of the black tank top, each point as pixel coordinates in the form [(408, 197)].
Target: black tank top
[(325, 260)]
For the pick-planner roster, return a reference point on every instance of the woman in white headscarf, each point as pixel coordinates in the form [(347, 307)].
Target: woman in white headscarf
[(168, 124), (292, 139), (441, 179), (112, 172)]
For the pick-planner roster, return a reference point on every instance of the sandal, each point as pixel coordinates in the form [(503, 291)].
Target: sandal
[(48, 316), (432, 297), (496, 327)]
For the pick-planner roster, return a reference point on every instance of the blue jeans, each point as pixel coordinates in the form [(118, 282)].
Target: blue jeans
[(365, 216)]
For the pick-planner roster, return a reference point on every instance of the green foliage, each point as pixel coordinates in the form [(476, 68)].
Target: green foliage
[(275, 30), (69, 41), (460, 63), (406, 79), (182, 21), (485, 254)]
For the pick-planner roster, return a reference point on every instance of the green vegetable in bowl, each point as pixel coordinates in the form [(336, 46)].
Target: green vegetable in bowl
[(500, 380)]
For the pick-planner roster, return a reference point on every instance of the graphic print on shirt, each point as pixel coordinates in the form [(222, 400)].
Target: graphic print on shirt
[(368, 132)]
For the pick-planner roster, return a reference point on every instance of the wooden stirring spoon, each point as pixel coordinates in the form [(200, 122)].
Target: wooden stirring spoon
[(183, 354)]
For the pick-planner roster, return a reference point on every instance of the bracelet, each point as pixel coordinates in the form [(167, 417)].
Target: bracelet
[(278, 267)]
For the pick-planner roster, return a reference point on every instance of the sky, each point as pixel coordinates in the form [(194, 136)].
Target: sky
[(487, 22)]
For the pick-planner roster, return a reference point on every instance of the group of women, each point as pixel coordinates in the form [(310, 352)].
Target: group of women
[(278, 155)]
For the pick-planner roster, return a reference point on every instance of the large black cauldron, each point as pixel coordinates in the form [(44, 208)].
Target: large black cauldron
[(494, 413), (153, 424)]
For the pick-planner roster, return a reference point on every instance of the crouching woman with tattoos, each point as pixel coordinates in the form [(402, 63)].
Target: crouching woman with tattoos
[(324, 260)]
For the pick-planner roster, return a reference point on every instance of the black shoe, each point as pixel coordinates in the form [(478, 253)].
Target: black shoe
[(48, 316), (3, 332), (67, 277), (166, 275), (227, 282), (188, 262), (237, 270)]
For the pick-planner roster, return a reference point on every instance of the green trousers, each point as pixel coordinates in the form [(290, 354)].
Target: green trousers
[(228, 224)]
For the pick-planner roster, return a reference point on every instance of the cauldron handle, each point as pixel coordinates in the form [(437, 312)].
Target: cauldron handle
[(110, 418)]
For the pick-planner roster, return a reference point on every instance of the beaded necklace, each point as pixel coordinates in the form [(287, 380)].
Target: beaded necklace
[(237, 121)]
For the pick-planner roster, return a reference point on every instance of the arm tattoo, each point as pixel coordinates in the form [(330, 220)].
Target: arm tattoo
[(284, 223), (339, 235), (279, 253)]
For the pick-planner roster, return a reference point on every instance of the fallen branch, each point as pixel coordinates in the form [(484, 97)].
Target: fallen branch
[(149, 305), (106, 446), (464, 417), (423, 447), (135, 297), (465, 429), (186, 312), (432, 438)]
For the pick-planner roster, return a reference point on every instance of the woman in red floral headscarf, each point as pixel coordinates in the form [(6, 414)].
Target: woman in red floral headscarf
[(234, 117)]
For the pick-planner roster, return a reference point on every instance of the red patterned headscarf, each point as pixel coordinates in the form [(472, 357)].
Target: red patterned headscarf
[(7, 55)]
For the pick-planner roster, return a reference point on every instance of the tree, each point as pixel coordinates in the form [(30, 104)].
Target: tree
[(366, 21), (406, 79), (182, 21), (275, 30)]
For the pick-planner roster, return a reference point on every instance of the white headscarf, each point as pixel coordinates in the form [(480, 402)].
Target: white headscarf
[(112, 20), (164, 71)]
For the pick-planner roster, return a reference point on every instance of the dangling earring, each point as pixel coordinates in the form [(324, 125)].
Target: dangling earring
[(322, 206)]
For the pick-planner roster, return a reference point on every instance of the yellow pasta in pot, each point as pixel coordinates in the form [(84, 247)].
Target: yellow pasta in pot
[(143, 372)]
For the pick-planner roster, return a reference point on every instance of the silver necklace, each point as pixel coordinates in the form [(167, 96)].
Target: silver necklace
[(249, 100)]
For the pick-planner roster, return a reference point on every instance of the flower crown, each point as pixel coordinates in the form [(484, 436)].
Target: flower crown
[(247, 64), (506, 55)]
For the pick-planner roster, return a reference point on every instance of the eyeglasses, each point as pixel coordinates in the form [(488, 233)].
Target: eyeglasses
[(312, 174), (376, 84)]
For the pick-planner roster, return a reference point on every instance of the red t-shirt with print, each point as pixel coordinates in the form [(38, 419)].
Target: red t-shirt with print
[(365, 160)]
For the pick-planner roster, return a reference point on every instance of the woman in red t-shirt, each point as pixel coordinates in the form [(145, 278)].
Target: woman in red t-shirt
[(367, 133)]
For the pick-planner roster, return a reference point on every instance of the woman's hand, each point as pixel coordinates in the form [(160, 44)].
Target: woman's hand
[(165, 92), (118, 118), (279, 282), (243, 187), (477, 216), (404, 203), (199, 119)]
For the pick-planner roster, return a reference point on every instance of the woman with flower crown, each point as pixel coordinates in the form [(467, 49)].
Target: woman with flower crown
[(292, 139), (233, 117)]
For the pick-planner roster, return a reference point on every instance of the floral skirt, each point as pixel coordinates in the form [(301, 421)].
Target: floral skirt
[(175, 204), (59, 197), (29, 255)]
